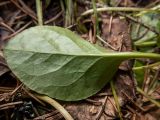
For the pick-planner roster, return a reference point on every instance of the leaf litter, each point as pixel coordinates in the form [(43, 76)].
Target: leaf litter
[(90, 107)]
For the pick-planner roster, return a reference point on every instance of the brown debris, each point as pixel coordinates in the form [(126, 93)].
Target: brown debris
[(18, 15)]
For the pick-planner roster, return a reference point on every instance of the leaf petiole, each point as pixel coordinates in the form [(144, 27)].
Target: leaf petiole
[(55, 104)]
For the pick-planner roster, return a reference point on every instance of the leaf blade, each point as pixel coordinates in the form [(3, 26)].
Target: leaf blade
[(56, 62)]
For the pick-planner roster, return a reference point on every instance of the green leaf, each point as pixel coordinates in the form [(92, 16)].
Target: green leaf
[(56, 62), (139, 73), (150, 19)]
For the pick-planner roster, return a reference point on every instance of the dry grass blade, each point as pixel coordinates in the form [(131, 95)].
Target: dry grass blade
[(148, 97)]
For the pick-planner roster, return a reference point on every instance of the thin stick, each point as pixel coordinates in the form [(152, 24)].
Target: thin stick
[(105, 42), (18, 31), (7, 26), (23, 10), (10, 104), (54, 18), (27, 8), (131, 100), (104, 9), (55, 104), (5, 2), (39, 12), (102, 109), (154, 80)]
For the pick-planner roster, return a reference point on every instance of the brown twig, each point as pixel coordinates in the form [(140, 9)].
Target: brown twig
[(7, 26), (28, 9), (106, 43), (6, 89), (97, 103), (131, 100), (16, 89), (5, 3), (18, 31), (132, 110), (102, 108), (23, 10), (54, 18), (20, 16), (10, 94), (152, 83), (10, 104)]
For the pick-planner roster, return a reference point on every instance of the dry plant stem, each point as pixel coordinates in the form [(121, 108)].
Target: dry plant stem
[(105, 42), (7, 26), (20, 16), (116, 99), (54, 18), (94, 102), (28, 9), (39, 12), (16, 89), (18, 31), (6, 89), (132, 110), (102, 109), (55, 104), (154, 81), (5, 3), (105, 9), (131, 100), (23, 10), (146, 80), (148, 97), (10, 104)]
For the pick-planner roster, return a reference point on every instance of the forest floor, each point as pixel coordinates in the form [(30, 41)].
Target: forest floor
[(128, 25)]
